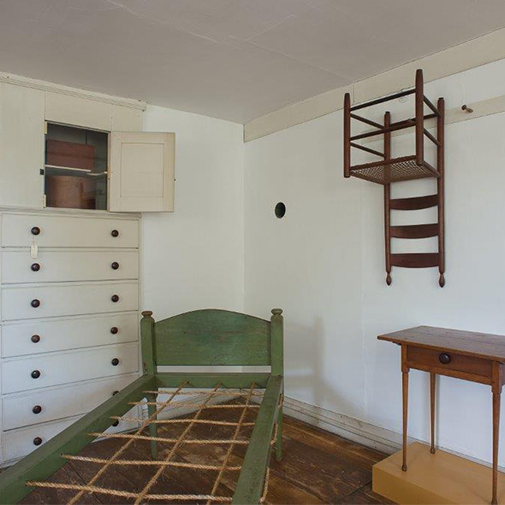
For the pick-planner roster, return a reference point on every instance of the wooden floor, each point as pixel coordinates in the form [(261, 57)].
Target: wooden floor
[(317, 467)]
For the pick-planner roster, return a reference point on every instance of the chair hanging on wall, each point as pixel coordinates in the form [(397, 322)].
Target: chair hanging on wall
[(405, 168)]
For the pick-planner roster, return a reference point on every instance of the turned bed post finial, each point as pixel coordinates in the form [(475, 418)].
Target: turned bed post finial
[(147, 313)]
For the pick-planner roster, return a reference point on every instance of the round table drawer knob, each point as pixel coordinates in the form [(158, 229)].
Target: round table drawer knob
[(35, 339), (35, 230), (115, 233), (114, 330), (114, 393), (35, 267), (37, 441), (115, 423), (115, 298), (114, 265), (35, 374), (35, 303), (115, 362), (444, 358), (37, 409)]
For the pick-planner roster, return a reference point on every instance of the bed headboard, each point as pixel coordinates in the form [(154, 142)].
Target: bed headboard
[(212, 337)]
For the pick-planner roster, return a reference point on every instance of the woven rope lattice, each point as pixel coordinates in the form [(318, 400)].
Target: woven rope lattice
[(403, 169), (150, 490)]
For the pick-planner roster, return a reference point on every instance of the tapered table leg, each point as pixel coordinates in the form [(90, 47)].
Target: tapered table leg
[(433, 379), (496, 432), (405, 391)]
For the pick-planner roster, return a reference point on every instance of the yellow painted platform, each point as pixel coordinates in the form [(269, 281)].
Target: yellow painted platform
[(434, 478)]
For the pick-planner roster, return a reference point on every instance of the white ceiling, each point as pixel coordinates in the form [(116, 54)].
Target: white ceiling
[(231, 59)]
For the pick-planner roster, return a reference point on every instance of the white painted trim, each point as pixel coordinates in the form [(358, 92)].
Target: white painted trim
[(471, 54), (361, 432), (19, 80)]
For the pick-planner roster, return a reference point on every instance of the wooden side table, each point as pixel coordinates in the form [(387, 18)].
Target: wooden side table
[(477, 357)]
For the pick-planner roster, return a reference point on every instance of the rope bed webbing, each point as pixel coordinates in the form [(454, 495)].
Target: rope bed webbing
[(146, 494)]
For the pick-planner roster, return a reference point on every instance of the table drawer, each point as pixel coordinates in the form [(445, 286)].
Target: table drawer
[(36, 337), (52, 404), (68, 299), (48, 370), (438, 361), (63, 266), (68, 231), (20, 442)]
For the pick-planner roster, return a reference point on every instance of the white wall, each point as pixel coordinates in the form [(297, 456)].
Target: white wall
[(193, 258), (324, 264)]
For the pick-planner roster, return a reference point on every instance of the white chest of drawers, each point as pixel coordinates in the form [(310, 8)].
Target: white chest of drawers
[(69, 292)]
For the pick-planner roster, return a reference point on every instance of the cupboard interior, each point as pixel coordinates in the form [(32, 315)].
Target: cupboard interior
[(76, 164)]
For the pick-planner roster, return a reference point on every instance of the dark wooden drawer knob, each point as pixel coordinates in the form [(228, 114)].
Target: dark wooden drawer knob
[(37, 409), (35, 303), (114, 330), (114, 393), (115, 298), (35, 339), (115, 423), (35, 374), (115, 362), (35, 267), (115, 265), (444, 358), (35, 230), (37, 441), (114, 233)]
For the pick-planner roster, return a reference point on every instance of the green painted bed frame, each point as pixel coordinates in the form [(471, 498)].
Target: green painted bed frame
[(203, 337)]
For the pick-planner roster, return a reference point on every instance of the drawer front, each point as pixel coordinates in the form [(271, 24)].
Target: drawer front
[(63, 266), (66, 300), (20, 339), (20, 442), (48, 370), (68, 231), (429, 359), (52, 404)]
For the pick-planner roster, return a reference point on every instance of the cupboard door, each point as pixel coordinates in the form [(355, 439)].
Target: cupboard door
[(141, 172), (21, 146)]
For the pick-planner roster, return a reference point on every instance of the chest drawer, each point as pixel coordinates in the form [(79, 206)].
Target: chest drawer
[(32, 302), (36, 337), (46, 370), (20, 442), (52, 404), (20, 230), (450, 363), (64, 266)]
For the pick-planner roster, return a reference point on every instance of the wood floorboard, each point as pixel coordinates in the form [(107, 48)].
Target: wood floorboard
[(318, 467)]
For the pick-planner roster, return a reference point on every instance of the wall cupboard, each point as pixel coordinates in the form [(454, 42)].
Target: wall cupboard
[(69, 279)]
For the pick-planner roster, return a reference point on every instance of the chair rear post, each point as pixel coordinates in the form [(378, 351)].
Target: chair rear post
[(277, 368)]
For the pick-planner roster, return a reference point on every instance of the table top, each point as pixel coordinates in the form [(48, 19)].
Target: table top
[(470, 343)]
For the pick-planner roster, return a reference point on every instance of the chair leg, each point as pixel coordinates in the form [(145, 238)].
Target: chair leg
[(278, 441), (153, 427)]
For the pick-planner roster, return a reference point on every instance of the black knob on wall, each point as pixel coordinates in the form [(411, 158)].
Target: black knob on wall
[(114, 265), (37, 409), (115, 298), (114, 330), (35, 303), (115, 423), (35, 267), (444, 358), (114, 393), (37, 441), (35, 339), (35, 374), (115, 362), (35, 230), (114, 233)]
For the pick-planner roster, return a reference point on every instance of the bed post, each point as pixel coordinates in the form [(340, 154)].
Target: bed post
[(149, 368), (277, 353)]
